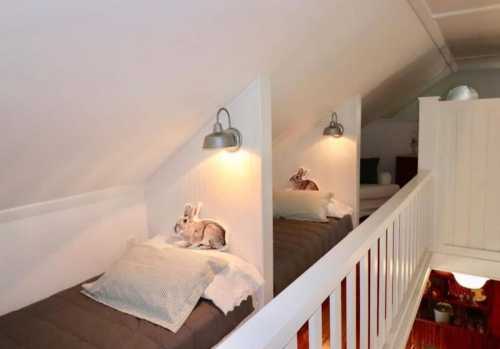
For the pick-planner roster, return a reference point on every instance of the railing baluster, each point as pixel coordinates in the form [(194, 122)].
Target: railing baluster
[(397, 264), (407, 248), (402, 254), (408, 244), (382, 285), (415, 232), (430, 222), (401, 258), (390, 275), (408, 241), (425, 223), (373, 295), (363, 302), (409, 235), (415, 229), (351, 309), (336, 319), (411, 232), (314, 323), (293, 344), (422, 229), (418, 209), (414, 237)]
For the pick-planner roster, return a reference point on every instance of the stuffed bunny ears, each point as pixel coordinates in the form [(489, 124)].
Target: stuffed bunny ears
[(190, 211), (301, 171)]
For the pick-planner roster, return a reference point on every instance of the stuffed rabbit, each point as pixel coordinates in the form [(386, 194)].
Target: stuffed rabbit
[(299, 183), (199, 233)]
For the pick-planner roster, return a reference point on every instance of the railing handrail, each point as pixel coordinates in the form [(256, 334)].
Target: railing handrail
[(271, 326)]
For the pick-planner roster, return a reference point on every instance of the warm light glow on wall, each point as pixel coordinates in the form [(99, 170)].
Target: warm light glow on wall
[(470, 281), (233, 168), (339, 145), (232, 160)]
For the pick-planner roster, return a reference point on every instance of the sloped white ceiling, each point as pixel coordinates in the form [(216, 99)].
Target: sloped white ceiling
[(467, 33), (99, 93), (400, 89), (471, 28), (353, 48)]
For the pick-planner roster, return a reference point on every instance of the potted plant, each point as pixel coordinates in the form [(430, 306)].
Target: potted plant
[(443, 312)]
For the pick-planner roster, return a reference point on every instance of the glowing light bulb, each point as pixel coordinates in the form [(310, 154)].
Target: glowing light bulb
[(470, 281)]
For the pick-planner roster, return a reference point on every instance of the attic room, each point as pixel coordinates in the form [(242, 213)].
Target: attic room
[(466, 37), (193, 174)]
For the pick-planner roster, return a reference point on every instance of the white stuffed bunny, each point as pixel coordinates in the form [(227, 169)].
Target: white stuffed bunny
[(199, 233)]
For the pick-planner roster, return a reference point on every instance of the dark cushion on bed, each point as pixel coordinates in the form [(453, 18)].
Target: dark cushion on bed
[(72, 320), (299, 244), (369, 170)]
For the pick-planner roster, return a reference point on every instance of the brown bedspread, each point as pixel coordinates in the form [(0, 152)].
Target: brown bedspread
[(299, 244), (69, 320)]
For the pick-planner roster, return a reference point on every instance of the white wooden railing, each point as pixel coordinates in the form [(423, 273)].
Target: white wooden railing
[(390, 251)]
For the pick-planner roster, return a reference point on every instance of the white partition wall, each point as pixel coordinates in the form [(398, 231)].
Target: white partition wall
[(235, 188), (50, 246), (460, 143), (332, 162)]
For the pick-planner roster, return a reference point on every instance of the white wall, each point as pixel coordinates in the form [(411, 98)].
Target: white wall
[(50, 246), (386, 139), (47, 247), (332, 162), (460, 145), (234, 187)]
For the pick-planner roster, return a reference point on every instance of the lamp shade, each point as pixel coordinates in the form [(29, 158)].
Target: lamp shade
[(217, 140), (470, 281), (334, 130)]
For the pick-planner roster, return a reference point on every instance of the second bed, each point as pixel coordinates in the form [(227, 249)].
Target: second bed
[(299, 244)]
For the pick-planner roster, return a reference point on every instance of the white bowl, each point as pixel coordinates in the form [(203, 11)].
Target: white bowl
[(462, 93)]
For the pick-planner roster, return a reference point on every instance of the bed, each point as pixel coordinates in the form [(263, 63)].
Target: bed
[(182, 293), (71, 320), (299, 244), (373, 196)]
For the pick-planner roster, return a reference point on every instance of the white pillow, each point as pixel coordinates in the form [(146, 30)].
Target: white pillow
[(231, 286), (158, 285), (307, 205), (338, 209)]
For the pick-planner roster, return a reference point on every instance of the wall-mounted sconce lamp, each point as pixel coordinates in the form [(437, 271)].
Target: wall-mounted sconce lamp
[(223, 138), (335, 128)]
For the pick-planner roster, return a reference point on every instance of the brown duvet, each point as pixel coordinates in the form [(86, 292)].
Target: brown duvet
[(70, 320), (299, 244)]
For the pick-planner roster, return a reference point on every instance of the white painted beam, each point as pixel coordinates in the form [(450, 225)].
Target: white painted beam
[(464, 12), (424, 13)]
